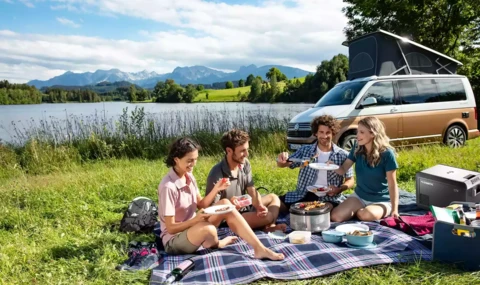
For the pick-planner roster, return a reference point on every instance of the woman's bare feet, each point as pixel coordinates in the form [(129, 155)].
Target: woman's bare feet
[(226, 241), (272, 228), (267, 253)]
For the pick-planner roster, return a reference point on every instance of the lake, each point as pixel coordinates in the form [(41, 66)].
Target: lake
[(24, 115)]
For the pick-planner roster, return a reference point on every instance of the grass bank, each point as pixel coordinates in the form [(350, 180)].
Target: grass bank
[(62, 227)]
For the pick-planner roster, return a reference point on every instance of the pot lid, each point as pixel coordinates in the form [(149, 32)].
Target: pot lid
[(310, 208)]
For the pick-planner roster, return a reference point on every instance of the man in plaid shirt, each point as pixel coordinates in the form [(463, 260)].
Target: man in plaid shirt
[(324, 128)]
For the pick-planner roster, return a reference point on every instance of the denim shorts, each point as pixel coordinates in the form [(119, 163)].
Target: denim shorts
[(366, 203)]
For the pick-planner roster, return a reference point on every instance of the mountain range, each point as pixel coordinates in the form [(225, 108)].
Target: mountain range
[(182, 75)]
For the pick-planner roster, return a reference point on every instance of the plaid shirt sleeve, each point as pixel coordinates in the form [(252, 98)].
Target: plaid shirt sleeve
[(305, 176)]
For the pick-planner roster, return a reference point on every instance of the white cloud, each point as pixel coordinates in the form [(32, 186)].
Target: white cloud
[(67, 22), (298, 33), (7, 33), (21, 73)]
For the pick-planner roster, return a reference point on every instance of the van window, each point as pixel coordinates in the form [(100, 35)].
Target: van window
[(342, 94), (449, 90), (383, 92), (431, 90), (408, 92)]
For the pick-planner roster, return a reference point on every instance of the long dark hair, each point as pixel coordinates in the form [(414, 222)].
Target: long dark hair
[(179, 149)]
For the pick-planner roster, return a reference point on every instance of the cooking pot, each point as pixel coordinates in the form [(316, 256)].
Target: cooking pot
[(313, 220)]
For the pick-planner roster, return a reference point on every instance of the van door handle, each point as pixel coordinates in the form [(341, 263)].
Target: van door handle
[(393, 110)]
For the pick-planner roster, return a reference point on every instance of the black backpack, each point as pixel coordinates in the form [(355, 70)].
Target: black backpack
[(140, 216)]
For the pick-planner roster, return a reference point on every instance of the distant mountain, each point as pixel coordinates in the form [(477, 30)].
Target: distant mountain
[(88, 78), (181, 75)]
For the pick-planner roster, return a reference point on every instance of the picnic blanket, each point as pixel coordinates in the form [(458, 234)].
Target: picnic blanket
[(235, 264), (407, 204)]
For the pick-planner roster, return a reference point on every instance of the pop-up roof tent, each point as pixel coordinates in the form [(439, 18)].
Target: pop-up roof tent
[(383, 53)]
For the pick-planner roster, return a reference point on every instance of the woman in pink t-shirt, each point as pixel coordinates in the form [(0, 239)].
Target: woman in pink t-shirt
[(184, 230)]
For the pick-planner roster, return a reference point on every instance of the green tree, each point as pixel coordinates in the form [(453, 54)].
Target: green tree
[(255, 90), (189, 94), (250, 79), (241, 83), (443, 25), (229, 85), (11, 93), (143, 95), (169, 91), (200, 87), (448, 26), (159, 90), (274, 89), (329, 73), (132, 93), (275, 71)]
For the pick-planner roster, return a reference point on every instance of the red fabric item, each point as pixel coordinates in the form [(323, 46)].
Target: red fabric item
[(412, 225)]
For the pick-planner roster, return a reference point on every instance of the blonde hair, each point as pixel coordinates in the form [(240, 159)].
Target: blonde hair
[(380, 141)]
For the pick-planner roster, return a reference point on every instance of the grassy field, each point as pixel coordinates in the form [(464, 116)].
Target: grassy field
[(221, 95), (226, 95), (62, 227)]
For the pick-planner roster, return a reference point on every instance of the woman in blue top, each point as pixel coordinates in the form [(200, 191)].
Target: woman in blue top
[(376, 192)]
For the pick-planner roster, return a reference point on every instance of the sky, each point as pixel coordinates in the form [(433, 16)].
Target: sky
[(41, 39)]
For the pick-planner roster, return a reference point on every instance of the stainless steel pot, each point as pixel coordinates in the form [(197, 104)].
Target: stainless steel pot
[(314, 220)]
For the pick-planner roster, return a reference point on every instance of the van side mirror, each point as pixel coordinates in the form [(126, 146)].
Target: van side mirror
[(369, 101)]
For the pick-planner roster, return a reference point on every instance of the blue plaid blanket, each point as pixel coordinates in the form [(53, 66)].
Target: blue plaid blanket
[(235, 264)]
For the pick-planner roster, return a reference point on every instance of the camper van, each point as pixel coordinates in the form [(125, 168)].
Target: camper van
[(412, 89)]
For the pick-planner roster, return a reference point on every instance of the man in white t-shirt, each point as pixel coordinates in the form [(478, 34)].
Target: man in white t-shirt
[(324, 128)]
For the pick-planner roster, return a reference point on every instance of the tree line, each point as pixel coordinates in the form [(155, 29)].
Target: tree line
[(449, 27), (11, 94), (171, 92)]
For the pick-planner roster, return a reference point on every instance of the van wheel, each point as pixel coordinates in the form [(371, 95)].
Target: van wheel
[(455, 136), (349, 141)]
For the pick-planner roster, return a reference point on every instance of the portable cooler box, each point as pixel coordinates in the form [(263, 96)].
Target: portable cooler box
[(441, 184)]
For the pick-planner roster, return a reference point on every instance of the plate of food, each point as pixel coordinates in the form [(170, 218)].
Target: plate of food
[(323, 166), (307, 206), (348, 228), (319, 190), (219, 209)]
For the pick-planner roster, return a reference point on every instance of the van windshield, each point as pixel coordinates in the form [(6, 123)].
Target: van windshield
[(342, 94)]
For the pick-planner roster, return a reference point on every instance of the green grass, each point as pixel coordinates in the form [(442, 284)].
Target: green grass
[(229, 95), (62, 227), (221, 95)]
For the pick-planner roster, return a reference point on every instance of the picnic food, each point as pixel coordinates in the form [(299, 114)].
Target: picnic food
[(360, 233), (226, 180), (244, 200), (320, 189), (298, 240), (222, 209), (311, 205)]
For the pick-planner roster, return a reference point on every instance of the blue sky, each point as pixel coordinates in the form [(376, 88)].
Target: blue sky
[(42, 38)]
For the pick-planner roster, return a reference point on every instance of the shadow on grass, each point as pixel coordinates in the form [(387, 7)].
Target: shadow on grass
[(90, 251)]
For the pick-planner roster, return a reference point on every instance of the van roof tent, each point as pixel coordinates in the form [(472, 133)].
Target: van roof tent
[(382, 53)]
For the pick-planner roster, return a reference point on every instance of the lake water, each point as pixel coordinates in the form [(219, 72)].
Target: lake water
[(23, 115)]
